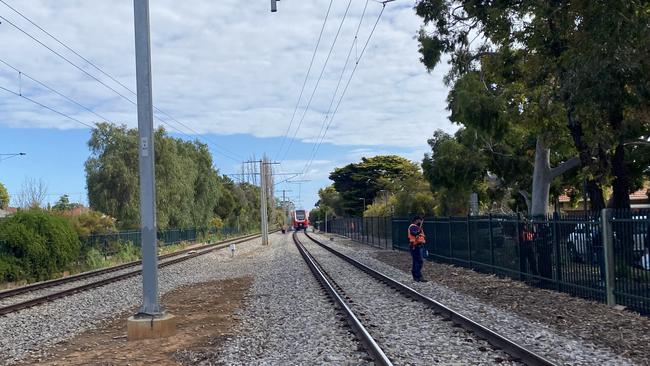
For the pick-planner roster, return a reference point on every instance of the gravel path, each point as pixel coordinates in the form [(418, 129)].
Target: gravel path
[(534, 335), (406, 330), (32, 331), (288, 319)]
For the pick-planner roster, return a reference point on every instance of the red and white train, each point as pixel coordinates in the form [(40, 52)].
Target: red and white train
[(300, 219)]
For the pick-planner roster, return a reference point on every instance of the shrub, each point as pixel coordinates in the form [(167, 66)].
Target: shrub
[(127, 252), (42, 244), (91, 222), (95, 259)]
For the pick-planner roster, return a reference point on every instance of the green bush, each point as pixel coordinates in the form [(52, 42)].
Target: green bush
[(127, 252), (10, 268), (41, 244), (95, 259)]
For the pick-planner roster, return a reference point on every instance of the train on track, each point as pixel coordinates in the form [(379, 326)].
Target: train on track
[(299, 219)]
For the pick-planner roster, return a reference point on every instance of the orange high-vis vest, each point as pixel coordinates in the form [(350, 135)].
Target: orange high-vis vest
[(416, 240)]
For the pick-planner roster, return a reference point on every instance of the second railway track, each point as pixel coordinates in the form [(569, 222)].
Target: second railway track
[(408, 327), (24, 297)]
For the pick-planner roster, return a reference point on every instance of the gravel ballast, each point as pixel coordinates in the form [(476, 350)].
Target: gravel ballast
[(31, 331), (288, 320), (539, 337), (406, 330)]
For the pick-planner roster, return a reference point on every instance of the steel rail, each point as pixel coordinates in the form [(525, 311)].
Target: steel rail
[(71, 291), (378, 355), (509, 346), (98, 272)]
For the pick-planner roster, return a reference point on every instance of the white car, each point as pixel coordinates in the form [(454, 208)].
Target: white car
[(580, 242)]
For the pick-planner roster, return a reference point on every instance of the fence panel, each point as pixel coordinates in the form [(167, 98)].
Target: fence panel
[(632, 258), (563, 252)]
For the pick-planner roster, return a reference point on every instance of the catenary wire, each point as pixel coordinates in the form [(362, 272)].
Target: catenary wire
[(347, 85), (338, 85), (320, 77), (52, 89), (302, 89), (46, 107), (228, 154)]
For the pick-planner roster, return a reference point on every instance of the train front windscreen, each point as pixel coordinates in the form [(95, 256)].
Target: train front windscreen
[(300, 215)]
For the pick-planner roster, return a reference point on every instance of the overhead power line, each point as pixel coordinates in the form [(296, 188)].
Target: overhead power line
[(304, 83), (20, 72), (225, 152), (46, 107), (320, 76), (308, 165)]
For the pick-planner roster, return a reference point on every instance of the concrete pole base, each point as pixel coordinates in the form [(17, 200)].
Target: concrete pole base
[(150, 327)]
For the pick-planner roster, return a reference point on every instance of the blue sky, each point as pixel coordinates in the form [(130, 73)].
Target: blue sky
[(231, 71)]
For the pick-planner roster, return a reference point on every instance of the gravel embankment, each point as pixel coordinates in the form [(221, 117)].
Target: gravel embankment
[(400, 325), (68, 285), (32, 331), (288, 319), (541, 338)]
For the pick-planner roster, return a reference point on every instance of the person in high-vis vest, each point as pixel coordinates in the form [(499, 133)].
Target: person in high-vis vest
[(417, 240)]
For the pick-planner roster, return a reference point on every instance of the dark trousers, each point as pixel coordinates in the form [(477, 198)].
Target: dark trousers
[(416, 254), (527, 256)]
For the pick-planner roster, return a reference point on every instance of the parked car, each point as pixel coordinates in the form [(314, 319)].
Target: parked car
[(581, 242), (640, 233)]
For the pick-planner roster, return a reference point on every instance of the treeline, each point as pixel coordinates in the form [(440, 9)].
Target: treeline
[(377, 186), (190, 192), (550, 97)]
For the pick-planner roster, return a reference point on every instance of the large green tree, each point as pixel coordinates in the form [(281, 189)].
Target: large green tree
[(187, 187), (359, 182), (580, 65)]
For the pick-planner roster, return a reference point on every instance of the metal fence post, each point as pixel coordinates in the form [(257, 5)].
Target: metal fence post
[(451, 249), (491, 244), (608, 253), (558, 257), (469, 244)]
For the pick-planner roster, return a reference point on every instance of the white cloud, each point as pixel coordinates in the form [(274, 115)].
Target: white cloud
[(229, 67)]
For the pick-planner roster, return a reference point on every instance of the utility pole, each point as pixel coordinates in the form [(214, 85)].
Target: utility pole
[(150, 322), (284, 206), (264, 190), (263, 203), (326, 219)]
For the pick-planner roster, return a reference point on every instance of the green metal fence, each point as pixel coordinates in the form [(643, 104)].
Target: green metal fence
[(375, 231), (599, 256), (107, 243)]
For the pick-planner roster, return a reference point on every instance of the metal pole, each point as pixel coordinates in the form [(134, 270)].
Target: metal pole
[(326, 220), (284, 212), (608, 253), (263, 203), (150, 304)]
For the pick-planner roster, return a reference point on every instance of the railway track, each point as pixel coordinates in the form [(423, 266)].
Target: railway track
[(28, 296), (446, 322)]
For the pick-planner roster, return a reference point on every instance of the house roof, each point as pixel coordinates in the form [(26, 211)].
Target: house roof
[(640, 195)]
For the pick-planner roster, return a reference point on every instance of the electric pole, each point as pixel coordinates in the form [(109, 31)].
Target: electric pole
[(263, 203), (150, 305), (150, 322)]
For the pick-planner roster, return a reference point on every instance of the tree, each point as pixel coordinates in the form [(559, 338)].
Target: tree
[(63, 204), (32, 193), (553, 55), (187, 187), (453, 171), (364, 180), (4, 197)]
